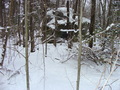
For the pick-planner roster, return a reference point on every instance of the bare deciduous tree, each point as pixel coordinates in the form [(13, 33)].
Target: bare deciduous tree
[(80, 47), (92, 23), (31, 27), (26, 45)]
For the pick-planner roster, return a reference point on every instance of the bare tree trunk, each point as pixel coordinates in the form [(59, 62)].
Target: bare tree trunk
[(99, 15), (26, 46), (1, 13), (80, 47), (84, 5), (4, 16), (92, 24), (68, 22), (104, 15), (45, 27), (103, 9), (43, 8), (23, 28), (63, 2), (4, 49), (23, 23), (75, 8), (11, 12), (19, 33), (56, 24), (1, 17), (103, 5), (109, 16), (78, 10), (67, 5), (31, 28)]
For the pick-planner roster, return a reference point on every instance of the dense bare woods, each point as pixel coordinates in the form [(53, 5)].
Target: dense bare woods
[(29, 23)]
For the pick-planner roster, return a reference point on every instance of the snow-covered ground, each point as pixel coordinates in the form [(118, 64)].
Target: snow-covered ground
[(56, 71)]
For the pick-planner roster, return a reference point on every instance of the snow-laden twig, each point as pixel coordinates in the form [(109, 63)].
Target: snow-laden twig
[(19, 52), (101, 77), (14, 74), (67, 59), (48, 38), (88, 52), (2, 73), (97, 34), (114, 81), (111, 70), (16, 49)]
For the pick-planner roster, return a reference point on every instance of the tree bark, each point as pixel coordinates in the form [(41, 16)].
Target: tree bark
[(11, 12), (26, 45), (18, 21), (75, 8), (56, 24), (68, 22), (92, 23), (1, 13), (80, 47), (4, 49), (109, 16), (31, 28), (23, 23), (104, 15)]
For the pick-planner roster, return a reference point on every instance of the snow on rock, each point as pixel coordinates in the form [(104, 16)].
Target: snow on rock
[(52, 26), (63, 20), (85, 20), (50, 12), (64, 11)]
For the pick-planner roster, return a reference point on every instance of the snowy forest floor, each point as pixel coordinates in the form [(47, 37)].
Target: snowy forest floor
[(56, 71)]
